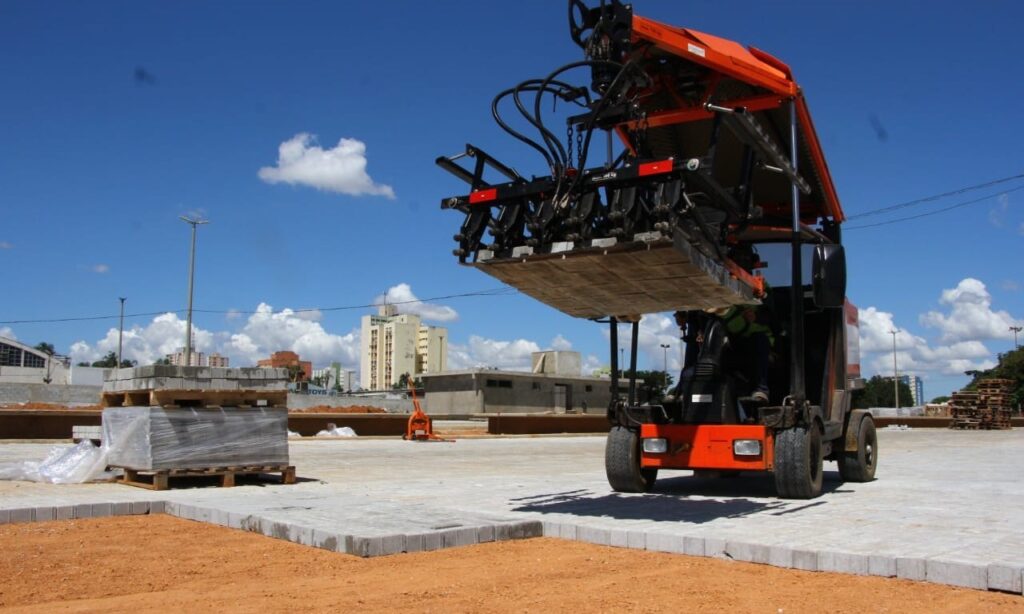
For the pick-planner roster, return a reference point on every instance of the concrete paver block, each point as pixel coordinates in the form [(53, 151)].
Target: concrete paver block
[(957, 573), (806, 560), (1005, 578), (618, 538), (253, 524), (121, 508), (83, 510), (780, 556), (743, 551), (101, 510), (485, 533), (552, 528), (414, 543), (843, 562), (524, 530), (23, 514), (61, 512), (5, 516), (593, 535), (157, 507), (568, 531), (714, 547), (502, 532), (392, 544), (432, 541), (693, 545), (884, 566), (636, 540), (664, 542), (911, 568), (140, 507), (42, 514), (326, 540)]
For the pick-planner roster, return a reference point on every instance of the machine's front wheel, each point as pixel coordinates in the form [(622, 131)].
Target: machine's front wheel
[(622, 462), (859, 465), (798, 462)]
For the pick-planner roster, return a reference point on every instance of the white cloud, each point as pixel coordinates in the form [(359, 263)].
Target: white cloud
[(655, 330), (266, 332), (970, 315), (402, 297), (483, 352), (8, 332), (997, 213), (300, 161), (100, 268), (968, 322), (6, 245), (146, 344), (560, 343)]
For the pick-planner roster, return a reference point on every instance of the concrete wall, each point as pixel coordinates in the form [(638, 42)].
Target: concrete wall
[(49, 393), (87, 376), (305, 401), (488, 391)]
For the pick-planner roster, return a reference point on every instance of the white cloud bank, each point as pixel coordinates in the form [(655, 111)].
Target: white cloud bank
[(8, 332), (403, 298), (962, 329), (342, 169), (264, 332)]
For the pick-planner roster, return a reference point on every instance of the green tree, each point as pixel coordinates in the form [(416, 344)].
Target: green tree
[(162, 361), (402, 383), (1011, 367), (295, 373), (878, 392), (45, 348), (651, 385), (109, 361), (941, 399)]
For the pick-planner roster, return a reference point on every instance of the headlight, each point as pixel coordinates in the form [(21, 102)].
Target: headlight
[(746, 447), (656, 445)]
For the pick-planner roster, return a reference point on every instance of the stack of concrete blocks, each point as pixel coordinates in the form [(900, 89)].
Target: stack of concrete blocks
[(170, 377), (557, 362)]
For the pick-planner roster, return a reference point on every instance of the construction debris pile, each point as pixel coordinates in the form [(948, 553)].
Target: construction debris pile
[(986, 408)]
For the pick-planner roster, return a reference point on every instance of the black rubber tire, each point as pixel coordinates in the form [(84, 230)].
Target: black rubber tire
[(798, 462), (622, 462), (859, 466)]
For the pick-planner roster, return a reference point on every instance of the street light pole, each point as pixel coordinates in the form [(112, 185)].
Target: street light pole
[(1016, 329), (192, 221), (664, 352), (895, 372), (120, 331)]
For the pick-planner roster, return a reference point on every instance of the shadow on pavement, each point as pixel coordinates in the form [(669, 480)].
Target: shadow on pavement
[(734, 497)]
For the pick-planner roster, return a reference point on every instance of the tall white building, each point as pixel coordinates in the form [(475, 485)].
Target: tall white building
[(394, 344)]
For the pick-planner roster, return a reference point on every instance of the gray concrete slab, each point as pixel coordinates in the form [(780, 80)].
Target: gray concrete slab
[(946, 506)]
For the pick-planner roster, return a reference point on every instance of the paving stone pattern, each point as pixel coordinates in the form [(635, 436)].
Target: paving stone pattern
[(945, 508)]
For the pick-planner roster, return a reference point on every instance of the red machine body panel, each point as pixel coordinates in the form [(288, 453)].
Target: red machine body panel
[(708, 446)]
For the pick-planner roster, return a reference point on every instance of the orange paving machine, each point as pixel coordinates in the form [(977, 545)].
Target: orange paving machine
[(709, 197)]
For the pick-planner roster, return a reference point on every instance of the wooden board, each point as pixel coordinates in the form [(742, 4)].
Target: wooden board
[(626, 279), (195, 398), (160, 480)]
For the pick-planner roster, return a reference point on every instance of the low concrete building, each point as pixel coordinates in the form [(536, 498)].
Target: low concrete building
[(488, 391), (23, 364)]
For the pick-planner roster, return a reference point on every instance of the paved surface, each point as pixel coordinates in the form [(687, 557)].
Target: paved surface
[(947, 507)]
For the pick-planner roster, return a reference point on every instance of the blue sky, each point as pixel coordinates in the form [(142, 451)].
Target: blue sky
[(96, 166)]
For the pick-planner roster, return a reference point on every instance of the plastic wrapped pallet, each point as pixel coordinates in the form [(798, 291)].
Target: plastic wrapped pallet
[(150, 438)]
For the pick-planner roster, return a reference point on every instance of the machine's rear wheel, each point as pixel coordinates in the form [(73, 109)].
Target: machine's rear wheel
[(622, 462), (798, 462), (859, 466)]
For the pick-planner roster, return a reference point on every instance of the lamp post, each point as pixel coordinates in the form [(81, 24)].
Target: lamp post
[(192, 221), (664, 352), (120, 331), (440, 353), (1016, 329), (895, 373)]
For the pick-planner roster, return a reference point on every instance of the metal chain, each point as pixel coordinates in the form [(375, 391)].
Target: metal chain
[(579, 150), (568, 140)]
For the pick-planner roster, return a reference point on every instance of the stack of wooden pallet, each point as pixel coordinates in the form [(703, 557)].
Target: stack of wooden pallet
[(964, 410), (994, 403)]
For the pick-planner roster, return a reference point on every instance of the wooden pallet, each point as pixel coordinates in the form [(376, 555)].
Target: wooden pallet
[(159, 479), (196, 398), (965, 424), (626, 279)]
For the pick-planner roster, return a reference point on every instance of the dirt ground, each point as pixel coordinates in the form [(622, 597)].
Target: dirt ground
[(352, 409), (50, 406), (149, 563)]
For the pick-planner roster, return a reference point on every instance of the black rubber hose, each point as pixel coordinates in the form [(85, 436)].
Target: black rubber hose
[(550, 139), (501, 123)]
